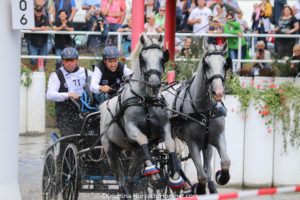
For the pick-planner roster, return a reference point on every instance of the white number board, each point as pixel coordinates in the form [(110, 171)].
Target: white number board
[(22, 14)]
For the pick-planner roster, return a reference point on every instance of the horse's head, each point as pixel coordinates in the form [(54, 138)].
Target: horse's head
[(214, 68), (152, 60)]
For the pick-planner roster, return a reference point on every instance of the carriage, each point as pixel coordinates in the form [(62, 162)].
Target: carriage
[(84, 167), (132, 125)]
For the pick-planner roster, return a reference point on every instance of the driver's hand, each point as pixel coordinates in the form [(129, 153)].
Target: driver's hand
[(104, 88), (73, 95)]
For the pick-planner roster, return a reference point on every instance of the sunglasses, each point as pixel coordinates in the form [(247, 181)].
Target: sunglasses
[(38, 10), (162, 10)]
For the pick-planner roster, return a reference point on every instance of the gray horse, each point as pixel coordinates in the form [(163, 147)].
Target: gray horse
[(136, 119), (200, 98)]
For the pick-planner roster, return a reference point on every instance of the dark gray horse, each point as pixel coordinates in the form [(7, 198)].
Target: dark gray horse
[(136, 119), (200, 98)]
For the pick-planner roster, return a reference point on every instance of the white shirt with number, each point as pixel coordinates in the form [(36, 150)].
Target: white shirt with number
[(202, 14), (74, 82)]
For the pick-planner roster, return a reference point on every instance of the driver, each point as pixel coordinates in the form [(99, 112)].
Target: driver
[(65, 83), (108, 74)]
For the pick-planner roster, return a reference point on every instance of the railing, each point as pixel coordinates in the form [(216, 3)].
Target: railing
[(121, 34)]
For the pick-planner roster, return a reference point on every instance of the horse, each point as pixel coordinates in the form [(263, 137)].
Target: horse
[(136, 119), (200, 98)]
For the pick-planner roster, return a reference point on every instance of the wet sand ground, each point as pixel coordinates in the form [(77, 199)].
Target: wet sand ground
[(31, 157)]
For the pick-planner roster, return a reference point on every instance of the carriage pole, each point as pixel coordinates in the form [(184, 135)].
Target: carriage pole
[(245, 194)]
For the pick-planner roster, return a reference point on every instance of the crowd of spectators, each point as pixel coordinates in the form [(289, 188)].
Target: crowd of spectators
[(192, 16)]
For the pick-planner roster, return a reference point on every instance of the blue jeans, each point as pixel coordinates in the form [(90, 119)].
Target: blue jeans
[(58, 61), (114, 28), (233, 53), (34, 51), (101, 97)]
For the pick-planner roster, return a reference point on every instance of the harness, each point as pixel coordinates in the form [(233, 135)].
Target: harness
[(137, 99), (203, 117)]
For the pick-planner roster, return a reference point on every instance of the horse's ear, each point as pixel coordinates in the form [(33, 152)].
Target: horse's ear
[(166, 56), (160, 39), (225, 47), (228, 63), (205, 45), (142, 39)]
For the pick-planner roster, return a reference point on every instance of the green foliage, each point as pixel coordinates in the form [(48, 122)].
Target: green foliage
[(284, 69), (274, 103), (27, 73)]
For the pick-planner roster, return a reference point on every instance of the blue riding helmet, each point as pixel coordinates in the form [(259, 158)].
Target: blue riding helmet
[(110, 52), (69, 53)]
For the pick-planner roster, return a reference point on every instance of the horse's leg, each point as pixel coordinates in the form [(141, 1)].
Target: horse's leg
[(194, 150), (175, 180), (135, 135), (222, 176), (136, 163), (112, 154), (207, 156)]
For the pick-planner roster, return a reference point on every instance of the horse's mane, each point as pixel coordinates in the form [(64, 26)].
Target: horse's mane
[(135, 54)]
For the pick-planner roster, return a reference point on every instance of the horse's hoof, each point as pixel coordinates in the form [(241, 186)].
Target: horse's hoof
[(187, 193), (150, 170), (198, 189), (176, 184), (222, 177), (212, 187)]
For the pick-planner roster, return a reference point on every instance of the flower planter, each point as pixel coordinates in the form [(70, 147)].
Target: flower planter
[(258, 153), (234, 133), (36, 103)]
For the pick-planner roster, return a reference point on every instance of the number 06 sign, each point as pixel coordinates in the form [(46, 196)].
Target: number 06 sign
[(22, 14)]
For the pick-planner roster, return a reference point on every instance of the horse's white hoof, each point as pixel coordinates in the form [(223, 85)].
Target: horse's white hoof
[(176, 184), (150, 170)]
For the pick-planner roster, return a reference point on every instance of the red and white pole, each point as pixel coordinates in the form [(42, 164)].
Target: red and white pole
[(244, 194), (170, 27)]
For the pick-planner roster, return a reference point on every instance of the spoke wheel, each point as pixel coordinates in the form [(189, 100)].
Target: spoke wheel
[(48, 181), (69, 174)]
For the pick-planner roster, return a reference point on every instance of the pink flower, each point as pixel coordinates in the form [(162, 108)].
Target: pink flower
[(272, 81), (123, 59), (266, 112), (259, 112), (232, 110), (265, 81), (281, 114), (269, 131), (283, 103), (272, 86), (282, 97), (258, 86)]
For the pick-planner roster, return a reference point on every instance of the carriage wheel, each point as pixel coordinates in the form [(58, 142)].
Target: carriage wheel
[(48, 181), (69, 174)]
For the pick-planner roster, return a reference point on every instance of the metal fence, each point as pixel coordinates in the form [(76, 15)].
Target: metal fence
[(120, 36)]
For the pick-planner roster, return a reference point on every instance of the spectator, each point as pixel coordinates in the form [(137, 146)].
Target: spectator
[(233, 27), (151, 26), (111, 11), (37, 43), (151, 7), (108, 74), (278, 6), (220, 14), (264, 25), (233, 3), (61, 40), (296, 12), (122, 5), (255, 18), (216, 28), (96, 23), (287, 24), (296, 66), (160, 17), (199, 18), (261, 54), (226, 7), (126, 39), (187, 8), (243, 22), (186, 51), (68, 5), (87, 4)]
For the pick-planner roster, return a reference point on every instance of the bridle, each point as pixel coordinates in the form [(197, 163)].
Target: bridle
[(206, 66), (150, 72)]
